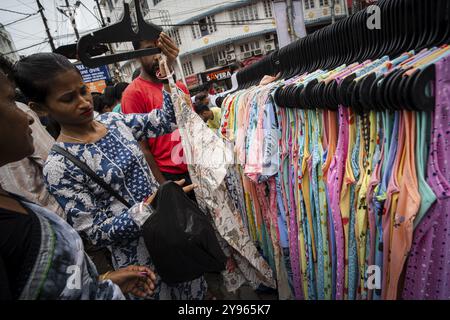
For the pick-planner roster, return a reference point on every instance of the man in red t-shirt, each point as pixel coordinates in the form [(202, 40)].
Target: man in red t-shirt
[(164, 154)]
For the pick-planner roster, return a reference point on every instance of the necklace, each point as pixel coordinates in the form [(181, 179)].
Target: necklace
[(73, 138)]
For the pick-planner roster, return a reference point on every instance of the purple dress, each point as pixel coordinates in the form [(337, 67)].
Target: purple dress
[(428, 267)]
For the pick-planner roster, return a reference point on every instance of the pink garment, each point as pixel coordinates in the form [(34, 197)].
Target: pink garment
[(428, 266), (335, 176), (334, 184)]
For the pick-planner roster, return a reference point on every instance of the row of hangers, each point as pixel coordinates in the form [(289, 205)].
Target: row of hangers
[(406, 87), (123, 31), (405, 25)]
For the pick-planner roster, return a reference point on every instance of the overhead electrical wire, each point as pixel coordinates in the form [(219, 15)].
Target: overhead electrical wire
[(17, 12), (31, 46)]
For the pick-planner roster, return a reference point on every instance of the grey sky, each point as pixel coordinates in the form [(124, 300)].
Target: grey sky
[(32, 31)]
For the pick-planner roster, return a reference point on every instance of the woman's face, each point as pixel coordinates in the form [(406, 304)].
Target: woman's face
[(16, 141), (69, 101)]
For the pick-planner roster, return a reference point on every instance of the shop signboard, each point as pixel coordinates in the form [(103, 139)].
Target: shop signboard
[(217, 75), (192, 80), (94, 78)]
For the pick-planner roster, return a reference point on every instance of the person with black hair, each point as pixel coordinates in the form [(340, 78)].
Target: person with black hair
[(202, 98), (98, 103), (109, 100), (39, 251), (164, 154), (211, 115), (24, 177), (109, 146), (119, 88)]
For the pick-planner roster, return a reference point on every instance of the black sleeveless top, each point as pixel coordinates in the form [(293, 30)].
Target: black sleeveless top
[(20, 237)]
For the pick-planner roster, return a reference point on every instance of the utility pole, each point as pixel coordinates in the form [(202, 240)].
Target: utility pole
[(298, 19), (72, 20), (282, 22), (101, 13), (333, 14), (110, 46), (44, 20), (290, 19)]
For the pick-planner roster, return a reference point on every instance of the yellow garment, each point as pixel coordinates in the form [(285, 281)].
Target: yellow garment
[(215, 122)]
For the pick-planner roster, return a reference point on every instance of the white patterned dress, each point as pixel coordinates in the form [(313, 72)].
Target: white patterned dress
[(118, 160)]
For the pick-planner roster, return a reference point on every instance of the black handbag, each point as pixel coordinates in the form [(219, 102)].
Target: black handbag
[(180, 238)]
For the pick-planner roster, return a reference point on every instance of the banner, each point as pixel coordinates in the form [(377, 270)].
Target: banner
[(94, 78)]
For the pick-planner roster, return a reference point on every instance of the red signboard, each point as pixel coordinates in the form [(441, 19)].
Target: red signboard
[(192, 80)]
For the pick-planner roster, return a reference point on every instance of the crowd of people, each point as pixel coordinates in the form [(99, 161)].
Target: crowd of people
[(51, 210)]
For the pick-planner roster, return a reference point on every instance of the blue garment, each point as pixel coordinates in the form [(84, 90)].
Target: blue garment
[(282, 224), (353, 272), (63, 270), (380, 195), (315, 206), (118, 160)]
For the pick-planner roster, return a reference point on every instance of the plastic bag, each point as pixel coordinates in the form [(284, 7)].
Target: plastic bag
[(180, 238)]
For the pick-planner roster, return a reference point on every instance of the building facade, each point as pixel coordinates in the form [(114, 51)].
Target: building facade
[(7, 45), (216, 36)]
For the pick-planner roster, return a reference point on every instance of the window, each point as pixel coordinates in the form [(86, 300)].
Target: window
[(222, 55), (324, 3), (268, 8), (211, 60), (187, 68), (250, 46), (212, 26), (155, 2), (175, 35), (255, 12), (244, 14), (205, 26), (236, 17), (309, 4), (194, 31)]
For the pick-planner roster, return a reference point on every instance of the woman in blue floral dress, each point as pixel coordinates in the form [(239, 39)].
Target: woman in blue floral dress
[(41, 256), (109, 146)]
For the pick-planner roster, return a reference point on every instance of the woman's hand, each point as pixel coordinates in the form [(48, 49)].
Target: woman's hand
[(181, 182), (139, 281), (188, 188)]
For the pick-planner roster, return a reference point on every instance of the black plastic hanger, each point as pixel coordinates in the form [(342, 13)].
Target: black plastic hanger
[(119, 32), (422, 88), (364, 92)]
